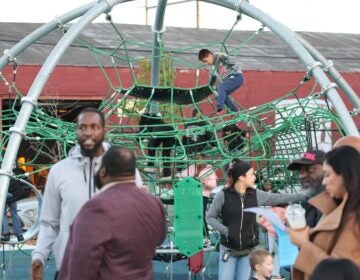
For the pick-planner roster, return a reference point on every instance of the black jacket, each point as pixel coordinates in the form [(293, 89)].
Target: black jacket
[(18, 189), (312, 214), (197, 137), (243, 230)]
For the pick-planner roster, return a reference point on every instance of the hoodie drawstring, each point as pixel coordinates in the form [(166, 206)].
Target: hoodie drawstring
[(94, 187), (90, 175), (84, 170)]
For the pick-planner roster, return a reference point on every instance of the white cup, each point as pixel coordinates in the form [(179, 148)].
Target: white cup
[(295, 216)]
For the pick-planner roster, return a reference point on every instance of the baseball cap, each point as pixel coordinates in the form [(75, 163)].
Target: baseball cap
[(311, 157)]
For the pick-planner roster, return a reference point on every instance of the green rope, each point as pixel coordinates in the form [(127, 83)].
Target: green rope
[(277, 132)]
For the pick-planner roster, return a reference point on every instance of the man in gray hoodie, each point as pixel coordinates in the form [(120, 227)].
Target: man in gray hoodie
[(116, 233), (69, 186)]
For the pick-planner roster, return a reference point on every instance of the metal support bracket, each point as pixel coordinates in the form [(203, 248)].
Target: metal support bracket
[(325, 89), (6, 173), (10, 58), (158, 31), (30, 100), (327, 67), (108, 3), (310, 67), (16, 130), (237, 4)]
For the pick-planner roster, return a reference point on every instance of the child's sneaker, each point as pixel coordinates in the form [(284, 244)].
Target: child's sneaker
[(5, 237), (20, 237)]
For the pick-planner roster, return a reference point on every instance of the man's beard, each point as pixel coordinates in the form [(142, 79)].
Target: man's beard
[(90, 152), (97, 181), (311, 183)]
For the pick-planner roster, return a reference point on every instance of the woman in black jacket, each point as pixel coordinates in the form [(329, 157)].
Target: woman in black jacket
[(238, 229)]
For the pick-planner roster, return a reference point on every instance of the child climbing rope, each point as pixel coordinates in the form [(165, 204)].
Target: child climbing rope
[(229, 74)]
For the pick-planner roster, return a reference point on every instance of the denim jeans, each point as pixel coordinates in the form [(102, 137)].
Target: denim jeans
[(16, 222), (227, 87), (274, 250), (236, 268)]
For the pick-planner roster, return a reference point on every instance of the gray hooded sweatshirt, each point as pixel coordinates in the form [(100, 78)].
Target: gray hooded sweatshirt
[(69, 185)]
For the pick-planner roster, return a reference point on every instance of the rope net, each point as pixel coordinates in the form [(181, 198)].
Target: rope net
[(184, 129)]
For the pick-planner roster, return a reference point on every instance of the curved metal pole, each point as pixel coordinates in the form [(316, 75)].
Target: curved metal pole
[(158, 29), (30, 100), (329, 67), (41, 32), (35, 227), (313, 67)]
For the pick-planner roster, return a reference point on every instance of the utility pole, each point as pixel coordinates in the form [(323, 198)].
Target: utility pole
[(197, 14), (197, 7), (146, 13)]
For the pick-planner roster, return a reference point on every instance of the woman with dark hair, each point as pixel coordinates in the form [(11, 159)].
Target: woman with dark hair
[(336, 269), (238, 229), (338, 232)]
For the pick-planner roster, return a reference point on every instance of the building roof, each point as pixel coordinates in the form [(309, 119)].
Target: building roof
[(265, 52)]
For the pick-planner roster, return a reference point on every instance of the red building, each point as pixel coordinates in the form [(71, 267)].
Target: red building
[(271, 69)]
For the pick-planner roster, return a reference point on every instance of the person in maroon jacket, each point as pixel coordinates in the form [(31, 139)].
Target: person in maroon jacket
[(116, 233)]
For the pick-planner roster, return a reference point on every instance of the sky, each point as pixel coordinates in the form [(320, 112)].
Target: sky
[(315, 16)]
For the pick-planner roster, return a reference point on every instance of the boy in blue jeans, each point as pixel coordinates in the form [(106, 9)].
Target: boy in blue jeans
[(229, 74)]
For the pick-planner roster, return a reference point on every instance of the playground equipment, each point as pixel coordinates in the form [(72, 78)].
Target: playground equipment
[(278, 131)]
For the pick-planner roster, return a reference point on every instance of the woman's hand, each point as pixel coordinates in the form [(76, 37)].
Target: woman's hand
[(299, 237)]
